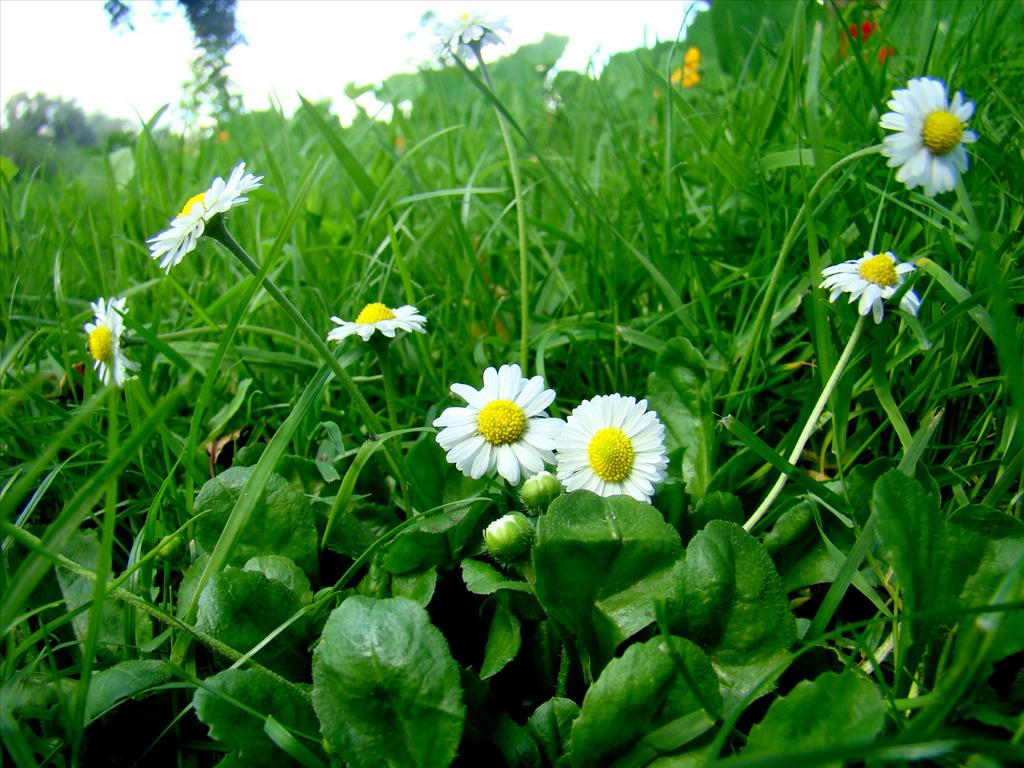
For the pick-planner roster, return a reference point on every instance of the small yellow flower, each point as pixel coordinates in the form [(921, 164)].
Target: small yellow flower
[(688, 74)]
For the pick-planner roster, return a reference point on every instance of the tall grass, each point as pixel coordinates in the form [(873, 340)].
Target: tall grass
[(652, 213)]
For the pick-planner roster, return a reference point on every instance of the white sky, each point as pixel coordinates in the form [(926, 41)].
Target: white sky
[(314, 47)]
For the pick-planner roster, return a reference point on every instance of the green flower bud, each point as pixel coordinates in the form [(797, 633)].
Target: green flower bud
[(539, 491), (509, 538)]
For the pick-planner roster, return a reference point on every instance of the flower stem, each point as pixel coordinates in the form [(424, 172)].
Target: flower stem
[(517, 188), (812, 421), (381, 347), (768, 298), (218, 231)]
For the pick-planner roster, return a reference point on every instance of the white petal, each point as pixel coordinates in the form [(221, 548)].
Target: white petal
[(508, 466)]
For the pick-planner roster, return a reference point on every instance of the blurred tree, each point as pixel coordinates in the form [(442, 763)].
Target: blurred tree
[(213, 25), (40, 127)]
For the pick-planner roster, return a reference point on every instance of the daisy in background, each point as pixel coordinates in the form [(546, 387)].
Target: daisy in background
[(103, 340), (467, 35), (928, 146), (871, 279), (612, 445), (504, 426), (378, 317), (180, 238)]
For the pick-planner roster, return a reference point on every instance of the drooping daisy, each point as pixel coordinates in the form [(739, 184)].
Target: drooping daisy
[(103, 340), (378, 317), (180, 238), (612, 445), (467, 35), (503, 427), (928, 147), (871, 279)]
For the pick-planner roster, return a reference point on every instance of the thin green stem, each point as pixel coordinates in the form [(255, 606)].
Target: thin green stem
[(381, 347), (219, 232), (103, 566), (517, 188), (773, 279), (809, 427)]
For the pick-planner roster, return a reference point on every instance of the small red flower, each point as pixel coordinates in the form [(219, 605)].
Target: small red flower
[(863, 31)]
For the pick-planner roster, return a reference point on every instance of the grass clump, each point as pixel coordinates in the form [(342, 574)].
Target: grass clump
[(790, 527)]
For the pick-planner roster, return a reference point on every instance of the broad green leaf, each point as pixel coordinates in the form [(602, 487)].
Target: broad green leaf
[(385, 686), (484, 579), (8, 169), (283, 524), (650, 686), (436, 540), (677, 391), (600, 564), (124, 680), (1000, 558), (733, 604), (714, 505), (415, 549), (217, 705), (830, 712), (933, 558), (360, 526), (84, 549), (800, 551), (418, 586), (241, 608), (515, 743), (503, 639), (913, 532), (427, 472), (122, 164), (284, 570), (551, 726), (742, 683)]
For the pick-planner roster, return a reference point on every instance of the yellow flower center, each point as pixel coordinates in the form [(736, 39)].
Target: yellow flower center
[(942, 132), (200, 198), (101, 344), (374, 313), (879, 270), (501, 422), (611, 454)]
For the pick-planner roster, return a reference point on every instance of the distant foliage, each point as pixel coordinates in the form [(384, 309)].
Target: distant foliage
[(213, 25), (41, 127)]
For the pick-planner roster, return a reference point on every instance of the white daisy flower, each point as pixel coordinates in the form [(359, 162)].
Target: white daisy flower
[(378, 317), (612, 445), (871, 279), (171, 245), (103, 340), (928, 147), (467, 35), (504, 426)]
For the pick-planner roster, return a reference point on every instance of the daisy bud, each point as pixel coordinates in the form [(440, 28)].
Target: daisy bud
[(509, 538), (539, 491)]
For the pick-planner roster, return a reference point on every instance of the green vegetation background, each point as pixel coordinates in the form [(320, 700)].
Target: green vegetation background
[(668, 231)]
